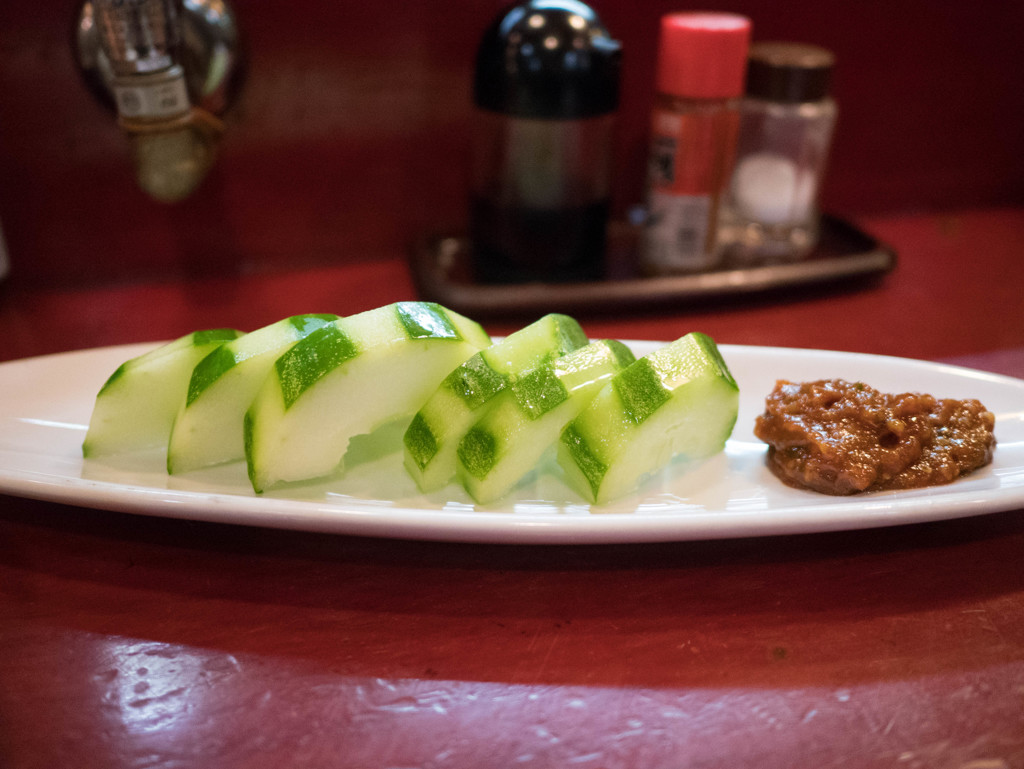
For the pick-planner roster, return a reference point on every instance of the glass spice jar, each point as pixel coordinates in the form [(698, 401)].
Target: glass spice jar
[(786, 126)]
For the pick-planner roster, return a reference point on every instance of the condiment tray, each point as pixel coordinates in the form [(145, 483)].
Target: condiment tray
[(442, 272)]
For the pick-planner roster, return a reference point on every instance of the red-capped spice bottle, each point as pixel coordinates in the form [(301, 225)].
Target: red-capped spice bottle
[(702, 60)]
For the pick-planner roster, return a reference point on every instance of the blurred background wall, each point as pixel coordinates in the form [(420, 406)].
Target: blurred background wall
[(349, 140)]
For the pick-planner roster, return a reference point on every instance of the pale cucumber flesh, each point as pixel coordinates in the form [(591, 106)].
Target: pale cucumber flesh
[(679, 400), (527, 418), (135, 408), (432, 439), (492, 409), (207, 429), (347, 379)]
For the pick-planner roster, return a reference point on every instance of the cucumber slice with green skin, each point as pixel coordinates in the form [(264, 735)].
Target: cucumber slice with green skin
[(680, 399), (208, 427), (347, 379), (527, 417), (462, 398), (135, 408)]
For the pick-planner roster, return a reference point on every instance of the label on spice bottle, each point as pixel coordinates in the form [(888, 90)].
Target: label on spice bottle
[(676, 237), (691, 155)]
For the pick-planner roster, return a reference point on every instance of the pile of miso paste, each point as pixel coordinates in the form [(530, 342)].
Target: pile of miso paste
[(839, 437)]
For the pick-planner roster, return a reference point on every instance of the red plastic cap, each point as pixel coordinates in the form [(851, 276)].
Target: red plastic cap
[(703, 55)]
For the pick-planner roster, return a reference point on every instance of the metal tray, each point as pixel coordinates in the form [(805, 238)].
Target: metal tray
[(441, 271)]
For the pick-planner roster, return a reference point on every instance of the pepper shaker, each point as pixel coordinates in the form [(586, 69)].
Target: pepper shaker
[(546, 89)]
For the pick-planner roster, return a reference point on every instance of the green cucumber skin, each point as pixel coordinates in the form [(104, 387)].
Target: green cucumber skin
[(680, 399), (270, 340), (207, 429), (135, 407), (464, 396), (344, 380), (507, 443)]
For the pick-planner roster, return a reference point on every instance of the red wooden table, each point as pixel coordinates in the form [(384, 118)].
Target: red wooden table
[(128, 641)]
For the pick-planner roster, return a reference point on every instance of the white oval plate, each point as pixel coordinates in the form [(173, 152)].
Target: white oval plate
[(45, 404)]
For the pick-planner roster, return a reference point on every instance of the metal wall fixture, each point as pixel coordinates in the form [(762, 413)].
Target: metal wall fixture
[(169, 69)]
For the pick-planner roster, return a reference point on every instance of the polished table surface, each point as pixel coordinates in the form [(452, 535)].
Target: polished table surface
[(129, 641)]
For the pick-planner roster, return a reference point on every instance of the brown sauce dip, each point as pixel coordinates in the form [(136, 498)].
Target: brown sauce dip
[(840, 437)]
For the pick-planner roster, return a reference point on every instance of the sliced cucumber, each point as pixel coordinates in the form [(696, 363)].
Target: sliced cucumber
[(680, 399), (434, 432), (208, 426), (527, 417), (346, 379), (136, 406)]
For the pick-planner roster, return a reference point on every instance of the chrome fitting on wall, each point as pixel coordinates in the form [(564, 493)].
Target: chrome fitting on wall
[(170, 69)]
